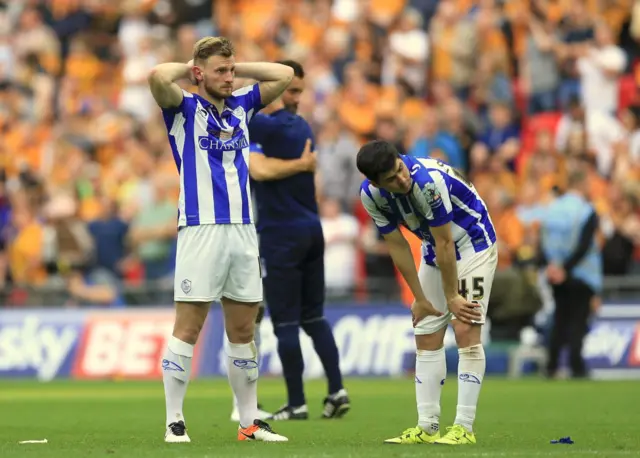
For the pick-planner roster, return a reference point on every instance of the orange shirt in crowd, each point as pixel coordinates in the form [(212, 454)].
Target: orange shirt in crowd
[(415, 244), (25, 254)]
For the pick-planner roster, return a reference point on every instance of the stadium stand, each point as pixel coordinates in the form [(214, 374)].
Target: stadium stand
[(88, 188)]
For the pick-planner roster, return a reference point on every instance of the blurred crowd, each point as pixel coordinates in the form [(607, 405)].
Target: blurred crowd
[(513, 93)]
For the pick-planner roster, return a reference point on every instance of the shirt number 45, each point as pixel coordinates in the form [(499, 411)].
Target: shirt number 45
[(477, 286)]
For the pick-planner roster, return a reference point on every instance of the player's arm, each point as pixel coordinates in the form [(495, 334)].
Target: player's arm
[(400, 253), (440, 215), (273, 78), (263, 168), (239, 83), (162, 81), (446, 258)]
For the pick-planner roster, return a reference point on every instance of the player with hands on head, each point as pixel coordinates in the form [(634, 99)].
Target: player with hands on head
[(217, 248), (459, 258)]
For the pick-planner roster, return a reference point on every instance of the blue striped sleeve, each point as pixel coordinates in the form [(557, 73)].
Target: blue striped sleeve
[(385, 223), (249, 98)]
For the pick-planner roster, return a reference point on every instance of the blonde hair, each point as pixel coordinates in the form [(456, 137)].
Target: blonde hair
[(212, 46)]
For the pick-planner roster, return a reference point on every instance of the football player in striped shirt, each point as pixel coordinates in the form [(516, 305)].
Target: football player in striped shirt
[(217, 255), (459, 259)]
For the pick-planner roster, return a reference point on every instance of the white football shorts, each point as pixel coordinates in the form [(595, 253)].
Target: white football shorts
[(475, 275), (218, 260)]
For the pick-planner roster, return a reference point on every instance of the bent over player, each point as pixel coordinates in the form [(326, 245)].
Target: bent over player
[(459, 259), (217, 255)]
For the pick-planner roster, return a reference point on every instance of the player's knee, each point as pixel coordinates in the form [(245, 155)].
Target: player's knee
[(430, 342), (314, 326), (189, 321), (240, 332), (467, 335), (288, 335), (187, 331)]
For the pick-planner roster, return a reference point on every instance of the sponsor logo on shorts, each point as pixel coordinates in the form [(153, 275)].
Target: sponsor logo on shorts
[(186, 286)]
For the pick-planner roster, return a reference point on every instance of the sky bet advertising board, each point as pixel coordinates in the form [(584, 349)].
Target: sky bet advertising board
[(372, 340)]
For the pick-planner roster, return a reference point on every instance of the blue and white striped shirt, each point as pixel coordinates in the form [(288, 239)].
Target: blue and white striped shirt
[(211, 151), (439, 195)]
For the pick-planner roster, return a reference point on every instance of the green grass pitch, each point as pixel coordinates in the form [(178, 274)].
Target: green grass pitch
[(126, 419)]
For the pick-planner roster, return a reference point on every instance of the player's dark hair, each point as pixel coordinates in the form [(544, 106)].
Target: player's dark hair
[(297, 67), (376, 158)]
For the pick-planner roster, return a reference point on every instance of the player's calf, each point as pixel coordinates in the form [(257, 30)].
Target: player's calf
[(176, 365), (471, 369)]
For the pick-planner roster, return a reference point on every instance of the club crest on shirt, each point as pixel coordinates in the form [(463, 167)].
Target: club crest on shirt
[(238, 112), (433, 195), (226, 134)]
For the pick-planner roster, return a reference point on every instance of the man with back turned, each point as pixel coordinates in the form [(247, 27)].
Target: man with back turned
[(573, 267)]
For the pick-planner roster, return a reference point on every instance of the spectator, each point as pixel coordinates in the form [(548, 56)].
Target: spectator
[(109, 234), (476, 84), (153, 231), (340, 234), (604, 134), (431, 138), (599, 67)]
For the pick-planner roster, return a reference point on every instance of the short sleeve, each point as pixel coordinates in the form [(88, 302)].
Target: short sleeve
[(260, 128), (187, 104), (384, 223), (436, 193), (249, 98), (256, 148)]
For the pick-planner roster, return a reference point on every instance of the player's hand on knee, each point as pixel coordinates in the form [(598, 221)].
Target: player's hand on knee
[(465, 311), (308, 157), (422, 309)]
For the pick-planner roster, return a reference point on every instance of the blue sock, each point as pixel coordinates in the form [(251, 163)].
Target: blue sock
[(325, 346), (292, 363)]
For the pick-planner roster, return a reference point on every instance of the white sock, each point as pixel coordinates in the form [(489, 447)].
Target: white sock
[(257, 340), (431, 371), (471, 367), (242, 371), (176, 370)]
